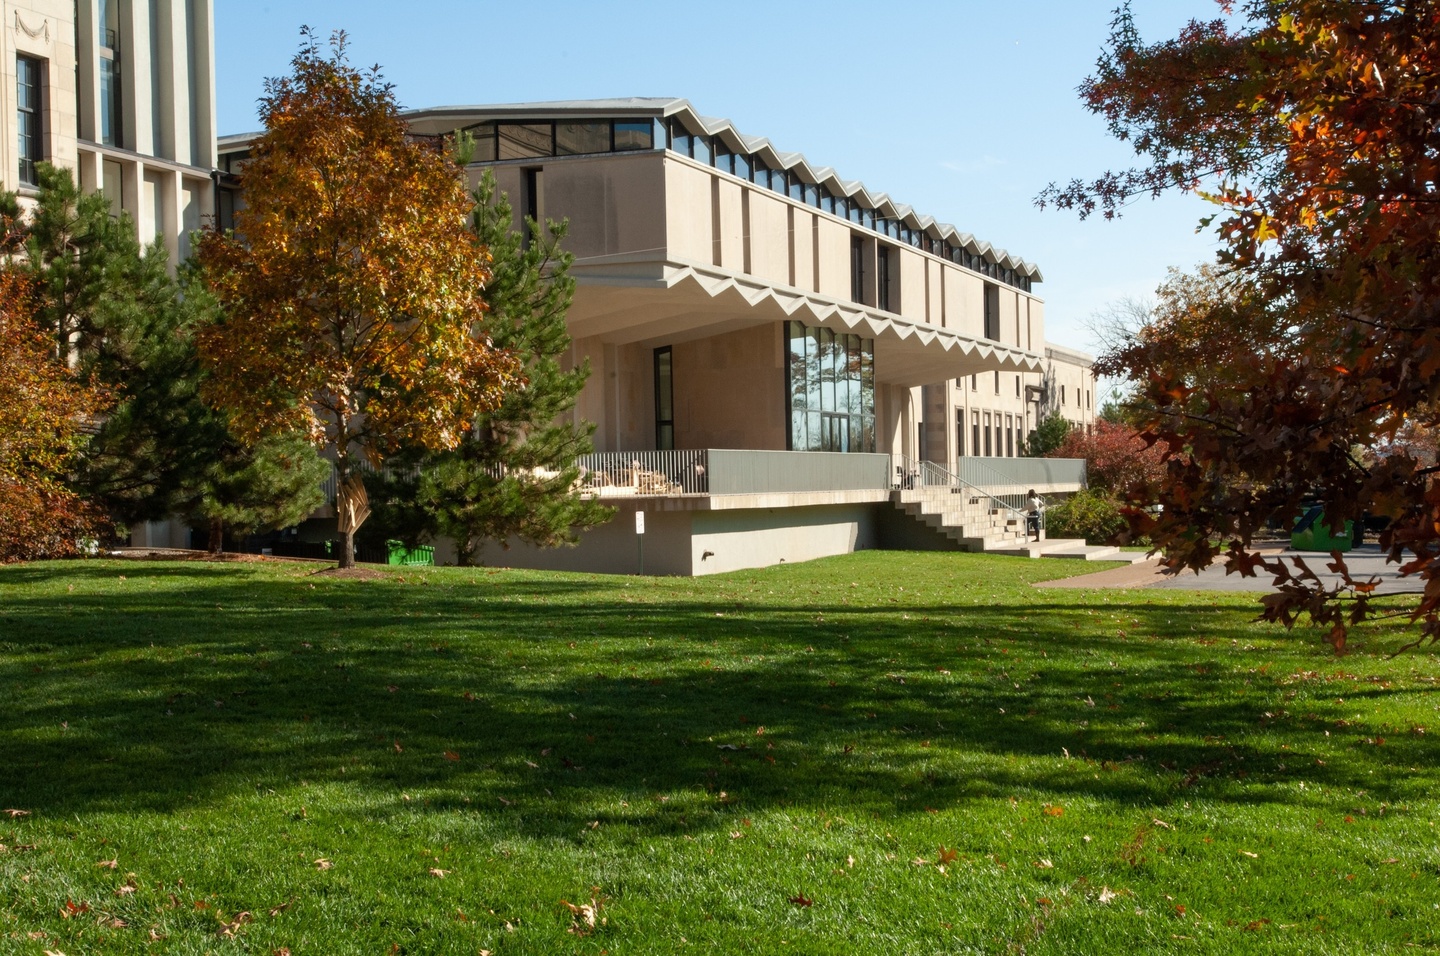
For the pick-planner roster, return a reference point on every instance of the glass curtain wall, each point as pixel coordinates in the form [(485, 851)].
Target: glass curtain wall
[(831, 383)]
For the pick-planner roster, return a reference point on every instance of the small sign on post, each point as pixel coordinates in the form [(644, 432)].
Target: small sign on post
[(640, 536)]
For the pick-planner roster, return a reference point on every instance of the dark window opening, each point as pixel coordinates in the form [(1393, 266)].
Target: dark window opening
[(992, 313), (28, 87), (857, 270), (882, 278), (664, 400)]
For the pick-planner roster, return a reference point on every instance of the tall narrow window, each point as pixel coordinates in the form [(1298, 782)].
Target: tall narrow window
[(111, 118), (959, 433), (857, 269), (28, 127), (1009, 436), (532, 203), (664, 400), (975, 433), (989, 452), (882, 278), (992, 312)]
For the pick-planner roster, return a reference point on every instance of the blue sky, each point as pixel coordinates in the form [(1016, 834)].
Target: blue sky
[(964, 109)]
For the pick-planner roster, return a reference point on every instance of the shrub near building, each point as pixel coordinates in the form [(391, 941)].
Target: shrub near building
[(1121, 469)]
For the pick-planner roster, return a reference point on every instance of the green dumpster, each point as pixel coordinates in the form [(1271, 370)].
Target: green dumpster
[(1312, 533), (399, 554)]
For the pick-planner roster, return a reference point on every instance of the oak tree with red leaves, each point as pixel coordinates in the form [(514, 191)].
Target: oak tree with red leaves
[(43, 411), (352, 286), (1118, 460), (1312, 125)]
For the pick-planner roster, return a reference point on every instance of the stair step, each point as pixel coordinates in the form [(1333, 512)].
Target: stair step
[(1093, 552)]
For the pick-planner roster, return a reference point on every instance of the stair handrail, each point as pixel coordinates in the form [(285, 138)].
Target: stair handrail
[(910, 470)]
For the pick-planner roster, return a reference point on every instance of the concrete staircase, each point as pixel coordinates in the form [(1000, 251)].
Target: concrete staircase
[(977, 522)]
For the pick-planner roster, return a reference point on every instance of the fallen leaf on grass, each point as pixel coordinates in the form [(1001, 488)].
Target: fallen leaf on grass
[(1043, 865), (946, 856), (72, 908), (279, 908), (800, 899), (583, 916), (283, 950), (532, 765), (1257, 925), (1043, 900), (53, 952), (110, 864), (1107, 894), (1161, 823), (323, 864), (233, 926), (125, 890), (437, 872), (12, 814), (1253, 856), (451, 755), (1389, 861), (1052, 810)]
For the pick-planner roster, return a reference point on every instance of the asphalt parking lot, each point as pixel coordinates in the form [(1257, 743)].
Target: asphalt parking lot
[(1364, 562)]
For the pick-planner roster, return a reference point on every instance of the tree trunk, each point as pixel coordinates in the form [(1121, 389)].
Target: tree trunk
[(352, 507), (217, 536)]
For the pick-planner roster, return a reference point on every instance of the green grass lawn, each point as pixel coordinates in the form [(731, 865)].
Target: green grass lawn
[(884, 753)]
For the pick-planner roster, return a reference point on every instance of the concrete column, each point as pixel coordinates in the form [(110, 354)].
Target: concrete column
[(88, 172), (172, 69), (201, 46), (87, 68), (132, 175), (172, 202), (135, 76)]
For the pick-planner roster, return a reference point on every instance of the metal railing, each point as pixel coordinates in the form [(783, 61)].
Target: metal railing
[(616, 474), (927, 474)]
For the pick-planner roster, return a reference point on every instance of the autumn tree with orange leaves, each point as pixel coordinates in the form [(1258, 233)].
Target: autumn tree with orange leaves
[(1312, 125), (43, 411), (352, 287)]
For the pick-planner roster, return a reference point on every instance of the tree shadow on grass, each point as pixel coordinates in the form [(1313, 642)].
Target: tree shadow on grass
[(551, 700)]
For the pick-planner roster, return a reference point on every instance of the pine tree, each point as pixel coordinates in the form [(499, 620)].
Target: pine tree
[(125, 325), (274, 484), (1047, 436), (515, 475)]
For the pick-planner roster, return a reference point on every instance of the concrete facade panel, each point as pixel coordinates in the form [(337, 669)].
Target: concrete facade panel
[(769, 236), (833, 265), (688, 205), (746, 368), (728, 207), (911, 285)]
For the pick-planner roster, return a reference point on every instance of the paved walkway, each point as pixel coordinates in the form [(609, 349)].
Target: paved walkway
[(1364, 562)]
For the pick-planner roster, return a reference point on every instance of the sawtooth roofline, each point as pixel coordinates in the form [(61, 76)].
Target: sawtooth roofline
[(669, 108)]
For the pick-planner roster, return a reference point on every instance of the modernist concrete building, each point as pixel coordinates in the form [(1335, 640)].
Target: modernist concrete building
[(122, 93), (786, 363)]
